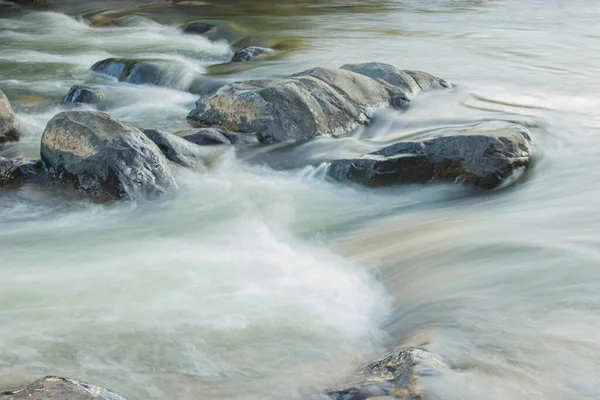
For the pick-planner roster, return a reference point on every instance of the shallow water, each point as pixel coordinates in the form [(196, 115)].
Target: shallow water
[(265, 281)]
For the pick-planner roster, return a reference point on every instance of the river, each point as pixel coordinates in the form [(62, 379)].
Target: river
[(262, 280)]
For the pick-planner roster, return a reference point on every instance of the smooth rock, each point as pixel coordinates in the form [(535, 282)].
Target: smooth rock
[(251, 53), (312, 103), (402, 85), (204, 136), (398, 375), (138, 72), (104, 157), (214, 30), (9, 126), (484, 155), (55, 388), (178, 150), (15, 170), (81, 95)]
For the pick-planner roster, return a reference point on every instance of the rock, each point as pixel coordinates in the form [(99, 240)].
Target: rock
[(402, 85), (55, 388), (312, 103), (9, 126), (104, 157), (250, 53), (396, 376), (204, 136), (214, 30), (13, 171), (206, 87), (484, 155), (178, 150), (138, 72), (81, 95)]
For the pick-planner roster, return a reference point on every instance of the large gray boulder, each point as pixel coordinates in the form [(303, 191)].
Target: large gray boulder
[(312, 103), (485, 155), (16, 170), (9, 126), (55, 388), (104, 157), (396, 376)]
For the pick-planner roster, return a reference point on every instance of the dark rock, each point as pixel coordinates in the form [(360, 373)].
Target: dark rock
[(139, 72), (81, 95), (398, 375), (9, 126), (312, 103), (55, 388), (214, 30), (14, 171), (250, 53), (484, 155), (104, 157), (178, 150), (206, 87), (204, 136)]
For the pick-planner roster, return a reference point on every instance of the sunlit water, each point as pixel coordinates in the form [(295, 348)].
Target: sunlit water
[(265, 281)]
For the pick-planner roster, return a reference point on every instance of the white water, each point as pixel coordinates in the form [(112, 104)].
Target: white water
[(255, 283)]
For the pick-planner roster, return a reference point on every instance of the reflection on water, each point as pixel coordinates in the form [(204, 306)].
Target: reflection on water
[(259, 279)]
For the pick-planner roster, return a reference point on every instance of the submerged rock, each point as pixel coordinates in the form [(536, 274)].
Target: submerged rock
[(312, 103), (214, 30), (484, 155), (138, 72), (81, 95), (104, 157), (9, 126), (204, 136), (178, 150), (396, 376), (55, 388), (251, 53), (14, 171)]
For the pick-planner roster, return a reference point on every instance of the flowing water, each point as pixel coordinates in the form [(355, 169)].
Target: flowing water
[(260, 279)]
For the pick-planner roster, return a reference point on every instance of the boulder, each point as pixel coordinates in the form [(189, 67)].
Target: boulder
[(9, 126), (214, 30), (396, 376), (104, 157), (312, 103), (138, 72), (81, 95), (484, 155), (251, 53), (177, 149), (204, 136), (55, 388), (13, 171), (402, 85)]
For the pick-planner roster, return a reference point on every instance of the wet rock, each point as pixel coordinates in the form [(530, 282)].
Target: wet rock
[(206, 87), (484, 155), (178, 150), (204, 136), (214, 30), (81, 95), (402, 85), (104, 157), (138, 72), (55, 388), (9, 126), (16, 170), (251, 53), (396, 376), (312, 103)]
